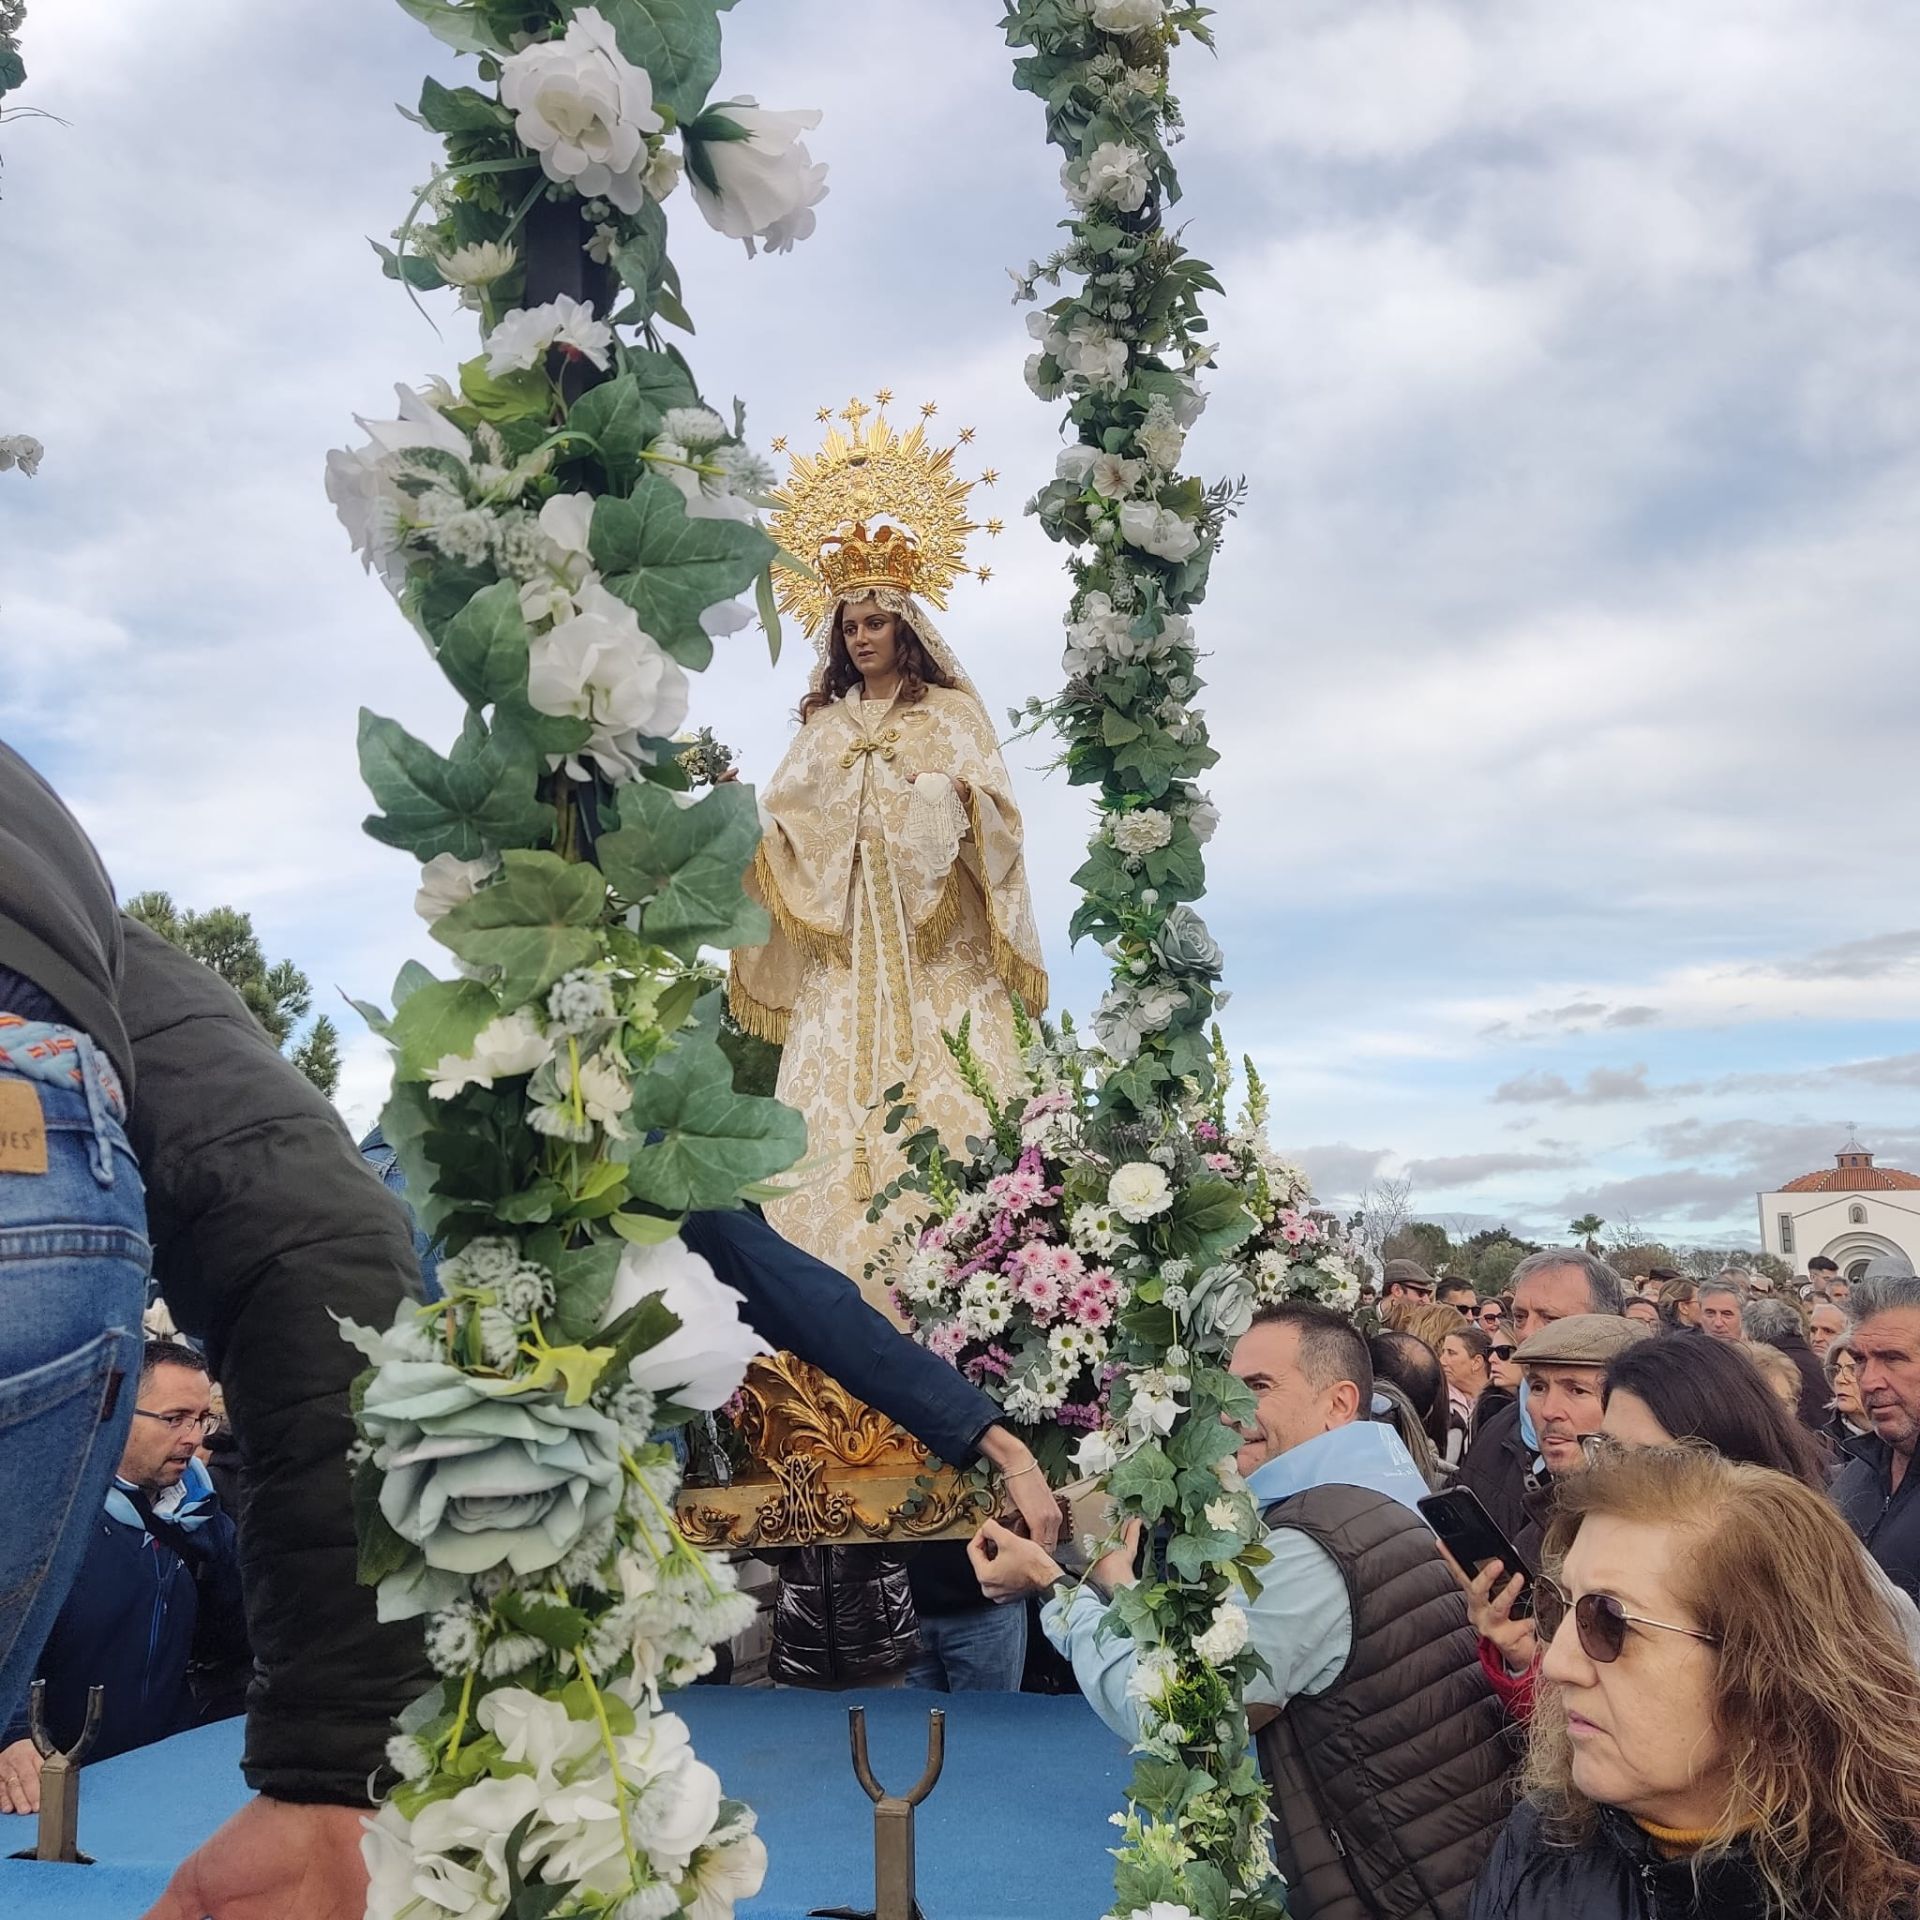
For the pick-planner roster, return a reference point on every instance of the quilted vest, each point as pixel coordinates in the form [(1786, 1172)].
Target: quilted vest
[(1390, 1787)]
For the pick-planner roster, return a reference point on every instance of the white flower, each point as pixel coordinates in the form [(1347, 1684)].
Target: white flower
[(598, 665), (1127, 16), (986, 1304), (564, 563), (662, 174), (1154, 1672), (585, 109), (1038, 384), (361, 485), (700, 1365), (764, 187), (21, 450), (535, 1731), (510, 1044), (706, 480), (1114, 174), (478, 265), (1139, 1190), (1161, 1909), (579, 1001), (1070, 1348), (447, 881), (1203, 817), (1096, 1455), (1190, 402), (408, 1757), (1145, 830), (1224, 1636), (1093, 354), (522, 338), (722, 1876), (698, 429), (1153, 1407), (605, 1094), (1076, 463), (1223, 1515), (1114, 477), (1091, 1229), (1158, 530), (1160, 436)]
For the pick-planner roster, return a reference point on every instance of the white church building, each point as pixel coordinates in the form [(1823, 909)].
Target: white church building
[(1849, 1211)]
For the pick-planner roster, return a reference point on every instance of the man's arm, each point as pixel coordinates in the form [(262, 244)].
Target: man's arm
[(1301, 1623), (266, 1224)]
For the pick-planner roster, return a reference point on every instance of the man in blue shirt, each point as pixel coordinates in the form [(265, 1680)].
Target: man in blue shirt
[(1378, 1733)]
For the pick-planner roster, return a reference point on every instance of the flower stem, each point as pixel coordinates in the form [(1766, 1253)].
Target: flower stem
[(460, 1718), (613, 1760), (678, 1539)]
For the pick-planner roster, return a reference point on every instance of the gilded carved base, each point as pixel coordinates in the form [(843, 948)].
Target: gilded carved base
[(825, 1469)]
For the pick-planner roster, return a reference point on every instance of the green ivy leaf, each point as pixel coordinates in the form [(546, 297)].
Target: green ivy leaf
[(540, 919), (551, 1622), (461, 110), (712, 1141), (479, 800), (582, 1286), (522, 395), (668, 568), (683, 865), (483, 648), (1191, 1554), (622, 419), (438, 1020), (461, 27), (1143, 1483), (382, 1551), (1208, 1218), (676, 42)]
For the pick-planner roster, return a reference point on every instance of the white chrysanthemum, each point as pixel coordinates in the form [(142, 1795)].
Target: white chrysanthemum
[(1224, 1636), (1155, 1670), (1143, 830), (478, 264)]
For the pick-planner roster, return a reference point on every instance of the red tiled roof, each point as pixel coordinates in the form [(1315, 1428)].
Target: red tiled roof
[(1851, 1180)]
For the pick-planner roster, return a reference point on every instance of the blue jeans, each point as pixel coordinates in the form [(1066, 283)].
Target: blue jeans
[(73, 1280), (983, 1650)]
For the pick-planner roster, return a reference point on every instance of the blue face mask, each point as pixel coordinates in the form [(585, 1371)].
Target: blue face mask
[(1526, 1422)]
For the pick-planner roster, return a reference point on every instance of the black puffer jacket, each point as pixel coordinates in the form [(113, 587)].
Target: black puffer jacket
[(843, 1618), (1617, 1875)]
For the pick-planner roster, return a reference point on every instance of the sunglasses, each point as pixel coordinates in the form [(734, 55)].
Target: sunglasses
[(1503, 1352), (1600, 1622)]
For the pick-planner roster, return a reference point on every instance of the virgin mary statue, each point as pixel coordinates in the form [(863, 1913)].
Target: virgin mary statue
[(891, 862)]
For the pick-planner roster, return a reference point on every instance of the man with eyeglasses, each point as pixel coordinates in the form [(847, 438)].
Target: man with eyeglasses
[(159, 1586)]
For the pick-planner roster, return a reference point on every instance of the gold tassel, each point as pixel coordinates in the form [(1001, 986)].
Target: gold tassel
[(755, 1016), (936, 929), (1018, 974), (862, 1170), (818, 944)]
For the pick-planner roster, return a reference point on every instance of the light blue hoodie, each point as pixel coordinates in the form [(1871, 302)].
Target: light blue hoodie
[(1301, 1621)]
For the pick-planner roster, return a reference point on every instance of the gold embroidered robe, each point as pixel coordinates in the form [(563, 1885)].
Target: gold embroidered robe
[(896, 912)]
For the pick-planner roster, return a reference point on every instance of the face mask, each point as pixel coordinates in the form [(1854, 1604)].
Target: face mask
[(1526, 1422)]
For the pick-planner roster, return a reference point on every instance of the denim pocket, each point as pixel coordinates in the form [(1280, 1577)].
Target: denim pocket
[(54, 1425)]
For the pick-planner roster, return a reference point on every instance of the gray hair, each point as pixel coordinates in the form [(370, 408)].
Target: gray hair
[(1740, 1275), (1889, 1284), (1605, 1289), (1722, 1283), (1771, 1320)]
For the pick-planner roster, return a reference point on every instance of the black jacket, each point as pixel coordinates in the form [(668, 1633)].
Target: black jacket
[(1617, 1875), (1496, 1468), (266, 1224), (1886, 1518), (1814, 1391), (843, 1617)]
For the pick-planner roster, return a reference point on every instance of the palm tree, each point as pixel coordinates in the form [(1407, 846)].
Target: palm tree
[(1585, 1228)]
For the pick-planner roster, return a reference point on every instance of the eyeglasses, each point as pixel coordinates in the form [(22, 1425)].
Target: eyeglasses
[(1503, 1353), (1600, 1622), (180, 1422), (1490, 1316)]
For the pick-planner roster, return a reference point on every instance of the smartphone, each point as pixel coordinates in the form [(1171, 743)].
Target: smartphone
[(1467, 1532)]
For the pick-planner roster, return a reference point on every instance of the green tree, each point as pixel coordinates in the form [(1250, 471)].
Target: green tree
[(1587, 1228), (279, 995)]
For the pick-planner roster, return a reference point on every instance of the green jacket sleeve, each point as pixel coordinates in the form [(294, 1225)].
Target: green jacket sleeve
[(265, 1224)]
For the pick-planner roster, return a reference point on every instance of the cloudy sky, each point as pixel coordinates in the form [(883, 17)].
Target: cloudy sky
[(1562, 659)]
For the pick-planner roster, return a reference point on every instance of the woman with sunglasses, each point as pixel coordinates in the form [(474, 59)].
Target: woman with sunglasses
[(1682, 1762)]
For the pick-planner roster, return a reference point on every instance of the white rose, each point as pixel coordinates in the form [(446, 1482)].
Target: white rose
[(523, 337), (509, 1045), (599, 666), (21, 450), (1127, 16), (1094, 355), (1096, 1455), (447, 881), (1076, 463), (764, 187), (1224, 1636), (1139, 1190), (1158, 530), (1113, 174), (585, 109), (701, 1364)]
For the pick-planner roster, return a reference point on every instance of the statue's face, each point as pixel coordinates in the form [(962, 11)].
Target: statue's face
[(872, 637)]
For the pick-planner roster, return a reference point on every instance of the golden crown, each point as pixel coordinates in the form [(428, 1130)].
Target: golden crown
[(874, 507)]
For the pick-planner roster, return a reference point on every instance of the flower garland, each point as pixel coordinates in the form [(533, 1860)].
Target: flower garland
[(569, 529), (1123, 344)]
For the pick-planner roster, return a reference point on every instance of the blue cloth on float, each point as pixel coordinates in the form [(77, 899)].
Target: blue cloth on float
[(1016, 1830)]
